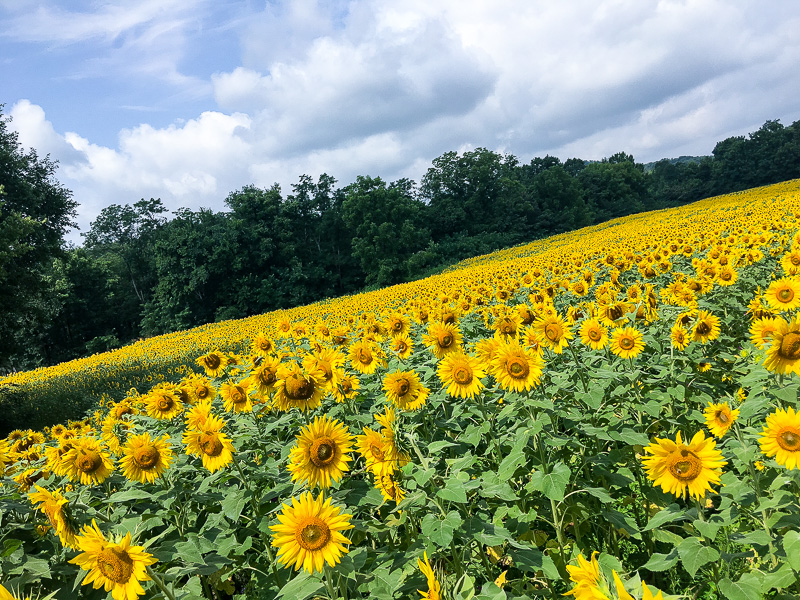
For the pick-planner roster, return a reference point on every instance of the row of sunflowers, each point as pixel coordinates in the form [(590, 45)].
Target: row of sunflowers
[(610, 414)]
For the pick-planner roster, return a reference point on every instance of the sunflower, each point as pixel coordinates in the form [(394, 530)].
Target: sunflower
[(515, 368), (366, 357), (200, 389), (146, 458), (553, 332), (379, 452), (404, 390), (586, 577), (87, 461), (593, 334), (235, 397), (622, 594), (506, 327), (389, 488), (263, 345), (720, 418), (210, 443), (442, 338), (626, 342), (213, 363), (198, 414), (321, 453), (461, 374), (163, 403), (434, 587), (329, 362), (402, 345), (263, 378), (297, 388), (706, 327), (783, 354), (52, 504), (309, 533), (761, 330), (727, 275), (397, 324), (680, 468), (783, 294), (790, 262), (116, 567), (781, 437), (348, 388)]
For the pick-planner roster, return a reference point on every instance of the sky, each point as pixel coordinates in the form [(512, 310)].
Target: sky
[(190, 100)]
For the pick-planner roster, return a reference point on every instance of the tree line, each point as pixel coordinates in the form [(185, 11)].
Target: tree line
[(143, 272)]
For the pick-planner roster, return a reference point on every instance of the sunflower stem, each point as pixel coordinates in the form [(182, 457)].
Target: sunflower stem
[(160, 583), (326, 578), (581, 374)]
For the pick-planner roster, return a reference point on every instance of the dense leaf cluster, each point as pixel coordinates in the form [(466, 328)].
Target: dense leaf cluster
[(141, 273)]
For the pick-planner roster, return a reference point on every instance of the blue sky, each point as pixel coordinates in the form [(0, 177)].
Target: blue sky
[(190, 100)]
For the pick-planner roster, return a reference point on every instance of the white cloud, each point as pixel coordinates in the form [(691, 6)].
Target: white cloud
[(377, 87)]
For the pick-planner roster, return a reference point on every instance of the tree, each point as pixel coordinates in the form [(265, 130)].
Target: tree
[(35, 213), (615, 187)]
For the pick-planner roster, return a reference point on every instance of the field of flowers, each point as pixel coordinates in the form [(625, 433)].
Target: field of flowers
[(608, 414)]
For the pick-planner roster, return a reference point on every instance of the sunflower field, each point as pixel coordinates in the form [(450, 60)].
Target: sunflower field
[(607, 414)]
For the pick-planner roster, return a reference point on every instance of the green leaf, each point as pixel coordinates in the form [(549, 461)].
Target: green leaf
[(440, 531), (490, 591), (662, 562), (189, 552), (707, 529), (453, 491), (747, 588), (791, 546), (694, 554), (510, 464), (233, 504), (301, 587), (533, 560), (553, 484), (435, 447), (671, 513), (131, 494)]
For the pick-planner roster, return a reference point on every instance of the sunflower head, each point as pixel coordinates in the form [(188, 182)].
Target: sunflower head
[(461, 374), (681, 468), (781, 437), (321, 453)]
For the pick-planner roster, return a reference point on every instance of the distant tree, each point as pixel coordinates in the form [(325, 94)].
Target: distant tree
[(35, 213), (560, 201), (614, 187), (387, 223)]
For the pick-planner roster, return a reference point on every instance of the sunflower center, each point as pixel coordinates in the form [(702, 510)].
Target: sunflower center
[(397, 326), (462, 375), (594, 335), (790, 346), (346, 386), (615, 313), (703, 328), (403, 386), (795, 260), (686, 465), (299, 388), (323, 451), (789, 440), (376, 451), (364, 357), (165, 403), (402, 346), (210, 444), (517, 368), (115, 564), (212, 361), (265, 346), (237, 396), (726, 276), (445, 340), (722, 417), (785, 295), (314, 534), (202, 391), (626, 343), (553, 332), (267, 376), (146, 457), (89, 461)]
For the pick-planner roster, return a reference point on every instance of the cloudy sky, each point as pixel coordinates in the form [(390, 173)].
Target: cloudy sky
[(188, 100)]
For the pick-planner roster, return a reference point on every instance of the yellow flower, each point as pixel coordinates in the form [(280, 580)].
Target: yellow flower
[(402, 345), (679, 337), (783, 294), (593, 334), (515, 368), (781, 437), (213, 363), (706, 327), (348, 388), (297, 388), (762, 329), (389, 488), (235, 397), (116, 567), (783, 354), (442, 338), (263, 345), (52, 505), (146, 459), (434, 587), (163, 404), (586, 577), (626, 342), (321, 453), (553, 332), (210, 444), (309, 533), (366, 357), (461, 374), (720, 418), (681, 468), (404, 390), (87, 461)]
